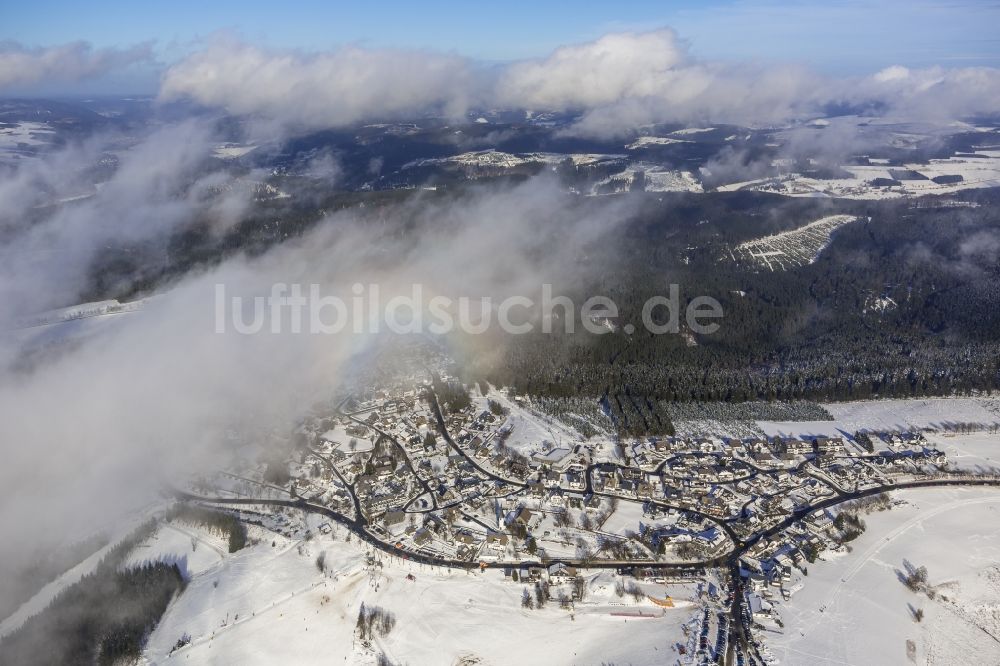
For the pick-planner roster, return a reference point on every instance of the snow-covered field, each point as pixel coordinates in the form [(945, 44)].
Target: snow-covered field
[(646, 141), (692, 130), (945, 414), (502, 160), (659, 179), (341, 439), (855, 609), (982, 170), (977, 452), (626, 517), (192, 549), (230, 151), (533, 432), (485, 158), (270, 604), (24, 134), (83, 311)]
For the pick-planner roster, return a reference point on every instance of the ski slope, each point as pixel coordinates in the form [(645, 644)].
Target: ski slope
[(270, 604)]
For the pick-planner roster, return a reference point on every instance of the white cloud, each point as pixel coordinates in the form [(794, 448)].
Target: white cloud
[(55, 219), (616, 83), (893, 73), (932, 93), (318, 90), (76, 61), (113, 407), (625, 80), (710, 93), (613, 68)]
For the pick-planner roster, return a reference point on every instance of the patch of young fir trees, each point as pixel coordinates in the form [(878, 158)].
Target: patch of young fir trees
[(220, 522), (851, 526)]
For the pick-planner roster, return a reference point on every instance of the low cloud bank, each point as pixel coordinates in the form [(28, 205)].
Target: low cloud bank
[(616, 84), (109, 408), (67, 63), (320, 90)]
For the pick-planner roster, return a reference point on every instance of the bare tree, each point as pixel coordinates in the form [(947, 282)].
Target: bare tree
[(580, 588)]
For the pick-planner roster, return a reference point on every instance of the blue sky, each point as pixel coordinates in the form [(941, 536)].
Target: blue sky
[(836, 37)]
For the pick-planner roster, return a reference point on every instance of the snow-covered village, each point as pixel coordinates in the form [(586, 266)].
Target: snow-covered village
[(511, 334), (415, 492)]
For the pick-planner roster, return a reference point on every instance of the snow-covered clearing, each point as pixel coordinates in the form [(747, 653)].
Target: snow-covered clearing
[(977, 452), (625, 518), (192, 549), (692, 130), (856, 610), (532, 432), (341, 439), (231, 151), (646, 141), (791, 248), (502, 160), (655, 179), (83, 311), (270, 604), (981, 170), (24, 134), (659, 179)]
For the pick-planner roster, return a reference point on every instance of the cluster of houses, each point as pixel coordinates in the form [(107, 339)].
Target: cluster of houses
[(554, 574), (476, 498)]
